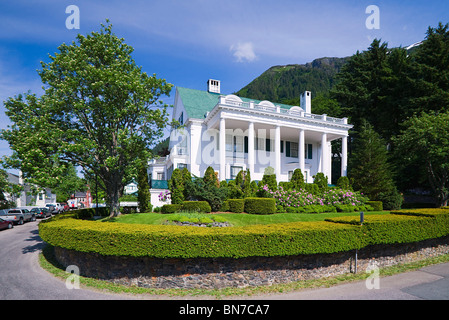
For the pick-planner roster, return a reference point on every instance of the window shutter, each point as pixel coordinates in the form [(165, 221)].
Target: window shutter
[(287, 148)]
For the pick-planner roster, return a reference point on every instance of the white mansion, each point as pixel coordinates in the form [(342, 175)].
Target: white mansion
[(231, 133)]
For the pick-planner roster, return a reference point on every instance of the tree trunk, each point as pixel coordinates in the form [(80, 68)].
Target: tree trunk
[(113, 188)]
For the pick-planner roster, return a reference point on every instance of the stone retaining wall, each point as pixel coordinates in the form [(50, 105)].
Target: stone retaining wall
[(253, 271)]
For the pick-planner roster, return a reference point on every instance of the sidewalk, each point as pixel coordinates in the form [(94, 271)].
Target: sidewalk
[(429, 283)]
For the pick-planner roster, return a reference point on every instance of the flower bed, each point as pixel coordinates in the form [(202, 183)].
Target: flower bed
[(343, 200)]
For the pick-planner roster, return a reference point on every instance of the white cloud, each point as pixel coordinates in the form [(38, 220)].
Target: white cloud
[(243, 52)]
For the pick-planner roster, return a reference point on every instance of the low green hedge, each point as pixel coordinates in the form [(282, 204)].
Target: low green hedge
[(171, 208), (236, 205), (89, 213), (166, 241), (401, 226), (377, 205), (163, 241), (260, 205), (198, 206)]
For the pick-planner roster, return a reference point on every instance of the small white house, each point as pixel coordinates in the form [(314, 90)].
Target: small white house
[(231, 133)]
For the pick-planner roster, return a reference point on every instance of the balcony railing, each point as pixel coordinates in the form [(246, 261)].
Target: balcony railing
[(277, 109)]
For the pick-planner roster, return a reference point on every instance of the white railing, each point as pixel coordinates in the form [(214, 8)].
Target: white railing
[(276, 109)]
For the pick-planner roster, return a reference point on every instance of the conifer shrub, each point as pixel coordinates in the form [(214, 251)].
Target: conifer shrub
[(260, 205), (236, 205), (171, 208), (198, 206)]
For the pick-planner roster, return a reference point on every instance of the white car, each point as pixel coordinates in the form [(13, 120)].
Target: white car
[(58, 208)]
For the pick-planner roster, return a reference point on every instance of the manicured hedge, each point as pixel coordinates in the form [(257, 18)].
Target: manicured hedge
[(200, 206), (163, 241), (170, 208), (89, 213), (377, 205), (401, 227), (236, 205), (260, 205)]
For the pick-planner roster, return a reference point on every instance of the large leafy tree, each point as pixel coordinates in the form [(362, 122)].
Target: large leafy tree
[(99, 111), (425, 141)]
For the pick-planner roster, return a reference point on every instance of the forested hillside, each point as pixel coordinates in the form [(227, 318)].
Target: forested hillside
[(398, 93), (284, 84)]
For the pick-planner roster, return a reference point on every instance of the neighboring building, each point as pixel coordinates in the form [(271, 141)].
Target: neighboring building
[(231, 133), (130, 188), (29, 197)]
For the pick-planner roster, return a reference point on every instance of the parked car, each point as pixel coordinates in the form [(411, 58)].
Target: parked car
[(51, 208), (18, 216), (64, 206), (41, 212), (4, 224)]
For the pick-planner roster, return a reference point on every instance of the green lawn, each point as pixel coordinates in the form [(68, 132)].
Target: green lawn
[(240, 219)]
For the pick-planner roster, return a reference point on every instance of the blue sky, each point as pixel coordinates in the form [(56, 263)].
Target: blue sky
[(187, 42)]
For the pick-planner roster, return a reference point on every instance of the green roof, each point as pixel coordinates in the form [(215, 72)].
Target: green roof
[(197, 102)]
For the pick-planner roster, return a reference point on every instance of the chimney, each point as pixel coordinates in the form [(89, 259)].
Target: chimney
[(213, 86), (306, 101)]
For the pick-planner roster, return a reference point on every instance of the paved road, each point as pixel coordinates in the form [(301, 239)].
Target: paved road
[(21, 277)]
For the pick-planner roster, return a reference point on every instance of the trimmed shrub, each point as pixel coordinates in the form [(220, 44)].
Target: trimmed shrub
[(89, 213), (377, 205), (236, 205), (198, 206), (283, 239), (168, 241), (224, 206), (260, 205), (171, 208)]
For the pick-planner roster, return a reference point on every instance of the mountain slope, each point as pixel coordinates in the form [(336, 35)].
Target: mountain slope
[(284, 83)]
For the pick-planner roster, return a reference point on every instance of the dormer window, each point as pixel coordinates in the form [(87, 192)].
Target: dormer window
[(213, 86)]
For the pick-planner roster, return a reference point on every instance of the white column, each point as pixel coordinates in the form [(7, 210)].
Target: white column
[(222, 149), (324, 153), (344, 156), (302, 152), (251, 149), (277, 152)]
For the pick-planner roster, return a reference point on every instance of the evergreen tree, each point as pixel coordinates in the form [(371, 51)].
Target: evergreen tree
[(176, 187), (370, 170), (430, 72), (143, 188), (297, 180), (361, 85)]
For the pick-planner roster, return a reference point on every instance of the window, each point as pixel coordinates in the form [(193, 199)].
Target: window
[(160, 176), (293, 149), (238, 144), (182, 147), (182, 166), (235, 171), (181, 119), (308, 151), (259, 144), (229, 143)]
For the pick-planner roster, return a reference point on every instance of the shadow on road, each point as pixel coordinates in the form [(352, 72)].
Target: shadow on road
[(36, 242)]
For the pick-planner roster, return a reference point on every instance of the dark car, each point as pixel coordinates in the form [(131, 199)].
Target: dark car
[(5, 224), (41, 212)]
